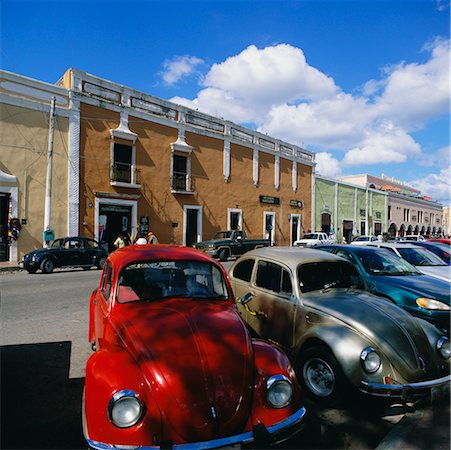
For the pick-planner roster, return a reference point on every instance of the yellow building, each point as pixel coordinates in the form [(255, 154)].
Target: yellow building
[(24, 132), (125, 161)]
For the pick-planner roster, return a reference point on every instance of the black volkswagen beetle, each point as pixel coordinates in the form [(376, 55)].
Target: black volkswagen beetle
[(65, 252)]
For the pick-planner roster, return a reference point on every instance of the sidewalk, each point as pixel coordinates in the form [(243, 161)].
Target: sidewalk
[(6, 266)]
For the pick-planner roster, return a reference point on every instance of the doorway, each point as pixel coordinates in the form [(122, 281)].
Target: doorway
[(4, 209), (269, 221), (347, 230), (295, 228), (325, 222), (192, 225)]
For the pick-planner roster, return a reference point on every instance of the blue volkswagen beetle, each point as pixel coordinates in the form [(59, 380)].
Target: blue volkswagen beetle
[(390, 276)]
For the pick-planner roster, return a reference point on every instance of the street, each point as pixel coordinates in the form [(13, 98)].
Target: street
[(44, 349)]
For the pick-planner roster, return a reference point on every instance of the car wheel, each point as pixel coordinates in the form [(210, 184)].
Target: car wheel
[(320, 375), (47, 266), (101, 262), (32, 270), (223, 254)]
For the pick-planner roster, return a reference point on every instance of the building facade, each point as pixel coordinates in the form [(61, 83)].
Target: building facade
[(408, 211), (129, 162), (24, 133), (347, 210)]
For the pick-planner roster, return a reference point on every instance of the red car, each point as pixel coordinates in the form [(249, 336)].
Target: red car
[(442, 240), (175, 366)]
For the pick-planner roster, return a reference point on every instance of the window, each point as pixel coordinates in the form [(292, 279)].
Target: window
[(273, 277), (180, 176), (123, 169), (106, 284), (243, 270)]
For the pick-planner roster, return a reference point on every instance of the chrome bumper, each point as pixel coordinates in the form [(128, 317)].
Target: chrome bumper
[(409, 391), (278, 432)]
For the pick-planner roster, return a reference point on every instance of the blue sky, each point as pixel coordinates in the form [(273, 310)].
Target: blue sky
[(365, 84)]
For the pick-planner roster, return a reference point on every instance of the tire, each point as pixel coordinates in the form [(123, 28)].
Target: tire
[(32, 271), (47, 266), (101, 262), (223, 254), (320, 375)]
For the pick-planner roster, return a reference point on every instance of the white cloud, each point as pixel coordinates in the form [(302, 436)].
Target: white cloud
[(327, 165), (276, 90), (179, 67), (437, 186)]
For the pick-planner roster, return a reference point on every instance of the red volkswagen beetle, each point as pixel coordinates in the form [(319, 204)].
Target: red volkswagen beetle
[(175, 366)]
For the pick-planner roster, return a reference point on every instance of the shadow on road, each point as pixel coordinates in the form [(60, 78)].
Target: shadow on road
[(40, 405)]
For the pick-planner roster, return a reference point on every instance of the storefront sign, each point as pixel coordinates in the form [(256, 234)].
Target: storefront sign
[(296, 204), (269, 200)]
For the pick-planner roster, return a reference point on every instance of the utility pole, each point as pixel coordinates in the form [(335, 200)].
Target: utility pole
[(48, 184)]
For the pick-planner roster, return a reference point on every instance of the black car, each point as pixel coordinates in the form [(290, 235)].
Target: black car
[(65, 252)]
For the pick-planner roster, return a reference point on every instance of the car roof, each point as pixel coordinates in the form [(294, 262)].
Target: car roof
[(396, 245), (292, 255), (156, 252)]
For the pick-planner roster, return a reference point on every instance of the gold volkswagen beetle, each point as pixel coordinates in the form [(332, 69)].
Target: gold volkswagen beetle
[(312, 305)]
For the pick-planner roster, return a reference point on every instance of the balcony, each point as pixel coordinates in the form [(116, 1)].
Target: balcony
[(181, 183), (124, 175)]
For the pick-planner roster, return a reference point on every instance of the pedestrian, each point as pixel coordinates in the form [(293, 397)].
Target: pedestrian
[(120, 241), (141, 241), (151, 238)]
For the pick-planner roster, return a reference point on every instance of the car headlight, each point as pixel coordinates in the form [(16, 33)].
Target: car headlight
[(279, 391), (370, 359), (125, 409), (429, 303), (444, 347), (34, 257)]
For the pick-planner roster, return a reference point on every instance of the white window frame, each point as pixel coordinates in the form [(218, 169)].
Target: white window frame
[(115, 201), (133, 181), (229, 217), (273, 231), (199, 221), (188, 180), (298, 216)]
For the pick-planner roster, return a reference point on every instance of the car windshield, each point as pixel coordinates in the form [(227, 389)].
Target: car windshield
[(155, 280), (420, 257), (57, 243), (223, 235), (328, 274), (383, 262)]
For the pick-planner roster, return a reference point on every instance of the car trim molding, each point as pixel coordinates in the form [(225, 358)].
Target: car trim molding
[(245, 438)]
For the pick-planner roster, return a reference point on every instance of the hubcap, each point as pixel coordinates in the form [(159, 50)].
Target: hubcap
[(319, 377)]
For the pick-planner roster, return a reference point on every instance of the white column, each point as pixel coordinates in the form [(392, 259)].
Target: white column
[(294, 175), (74, 167), (255, 166)]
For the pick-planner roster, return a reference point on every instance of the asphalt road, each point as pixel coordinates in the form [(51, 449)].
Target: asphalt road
[(44, 348)]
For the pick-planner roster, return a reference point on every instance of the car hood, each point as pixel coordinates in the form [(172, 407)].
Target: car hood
[(196, 356), (389, 328), (440, 272), (418, 285)]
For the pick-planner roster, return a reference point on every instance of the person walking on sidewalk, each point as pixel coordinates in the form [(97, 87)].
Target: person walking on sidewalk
[(151, 238)]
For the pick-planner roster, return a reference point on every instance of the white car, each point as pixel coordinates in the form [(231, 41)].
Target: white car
[(412, 237), (424, 260), (314, 239), (365, 240)]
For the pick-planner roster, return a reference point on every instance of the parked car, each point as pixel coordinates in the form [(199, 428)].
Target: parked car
[(65, 252), (232, 243), (424, 260), (438, 248), (442, 240), (392, 277), (363, 240), (411, 237), (313, 239), (339, 337), (175, 366)]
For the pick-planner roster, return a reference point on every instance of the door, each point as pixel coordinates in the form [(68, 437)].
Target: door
[(269, 221), (347, 230), (295, 228), (116, 219), (193, 225), (325, 223), (235, 219), (4, 209)]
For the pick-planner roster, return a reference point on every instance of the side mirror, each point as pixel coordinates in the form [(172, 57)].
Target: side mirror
[(246, 298)]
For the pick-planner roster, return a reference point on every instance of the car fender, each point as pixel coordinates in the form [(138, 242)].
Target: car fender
[(270, 361), (345, 344), (109, 371)]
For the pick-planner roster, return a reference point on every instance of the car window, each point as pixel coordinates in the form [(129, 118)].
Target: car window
[(385, 263), (106, 285), (328, 274), (243, 270), (89, 243), (345, 255), (273, 277), (147, 281), (420, 257), (73, 243), (57, 243)]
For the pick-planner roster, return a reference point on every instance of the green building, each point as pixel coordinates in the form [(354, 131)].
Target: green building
[(347, 210)]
